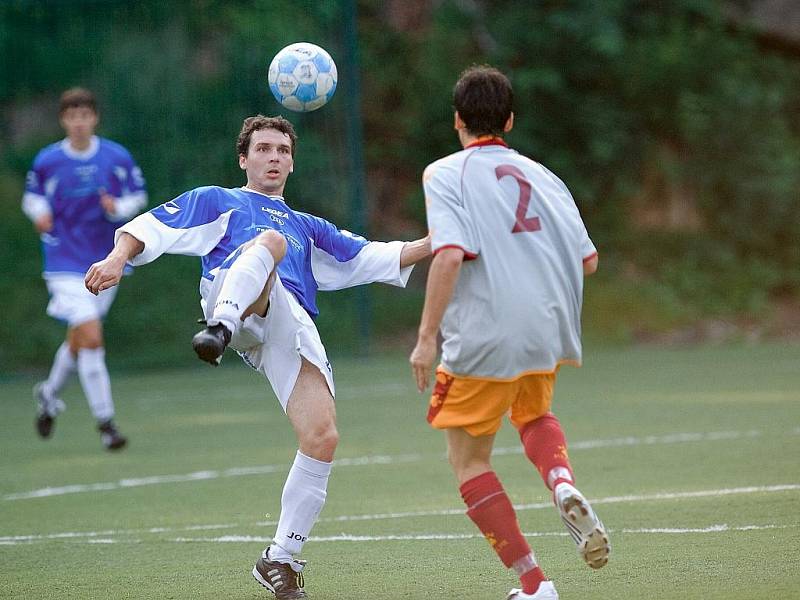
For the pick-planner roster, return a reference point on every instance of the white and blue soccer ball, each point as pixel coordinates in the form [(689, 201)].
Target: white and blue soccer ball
[(302, 77)]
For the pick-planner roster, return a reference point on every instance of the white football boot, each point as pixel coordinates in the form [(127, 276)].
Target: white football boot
[(583, 525), (546, 591)]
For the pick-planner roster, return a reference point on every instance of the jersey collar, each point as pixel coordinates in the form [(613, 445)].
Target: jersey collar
[(487, 141), (94, 144), (247, 189)]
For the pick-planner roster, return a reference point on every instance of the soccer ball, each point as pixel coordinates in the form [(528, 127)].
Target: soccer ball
[(302, 77)]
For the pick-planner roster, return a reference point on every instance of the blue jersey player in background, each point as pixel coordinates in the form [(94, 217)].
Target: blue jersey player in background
[(78, 192), (262, 264)]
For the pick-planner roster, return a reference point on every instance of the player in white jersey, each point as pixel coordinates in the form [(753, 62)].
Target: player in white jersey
[(505, 289), (78, 192), (262, 264)]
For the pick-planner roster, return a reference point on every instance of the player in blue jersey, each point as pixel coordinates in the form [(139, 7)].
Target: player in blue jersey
[(262, 264), (78, 192)]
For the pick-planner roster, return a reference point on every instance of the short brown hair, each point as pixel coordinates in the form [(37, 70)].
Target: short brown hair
[(484, 100), (77, 97), (259, 122)]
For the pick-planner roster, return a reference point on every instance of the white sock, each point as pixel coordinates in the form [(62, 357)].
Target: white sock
[(301, 502), (558, 473), (242, 286), (95, 382), (525, 564), (63, 366)]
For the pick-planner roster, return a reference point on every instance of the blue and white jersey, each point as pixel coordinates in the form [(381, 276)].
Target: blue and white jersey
[(67, 184), (214, 222)]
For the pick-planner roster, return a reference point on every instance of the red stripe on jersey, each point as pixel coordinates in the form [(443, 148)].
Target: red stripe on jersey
[(467, 255), (492, 141), (590, 257)]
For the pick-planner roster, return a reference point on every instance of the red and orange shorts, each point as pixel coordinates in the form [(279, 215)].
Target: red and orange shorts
[(477, 405)]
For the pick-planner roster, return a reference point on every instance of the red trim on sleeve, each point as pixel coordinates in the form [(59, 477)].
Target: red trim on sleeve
[(590, 257), (467, 255), (490, 141)]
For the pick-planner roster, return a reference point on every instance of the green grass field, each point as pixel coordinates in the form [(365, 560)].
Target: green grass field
[(691, 456)]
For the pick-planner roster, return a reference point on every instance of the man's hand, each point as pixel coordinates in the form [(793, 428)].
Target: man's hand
[(104, 274), (422, 359), (44, 224), (108, 203)]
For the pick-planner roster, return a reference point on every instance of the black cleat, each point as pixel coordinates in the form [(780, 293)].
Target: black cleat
[(44, 425), (285, 580), (111, 438), (47, 407), (211, 342)]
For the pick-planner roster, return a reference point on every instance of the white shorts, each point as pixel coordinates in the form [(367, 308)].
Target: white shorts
[(273, 345), (72, 303)]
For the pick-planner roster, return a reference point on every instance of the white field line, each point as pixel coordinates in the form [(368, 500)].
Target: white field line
[(545, 505), (674, 438), (202, 475), (344, 537), (110, 534)]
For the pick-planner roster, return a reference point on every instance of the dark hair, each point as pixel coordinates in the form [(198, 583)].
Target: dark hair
[(484, 100), (259, 122), (77, 97)]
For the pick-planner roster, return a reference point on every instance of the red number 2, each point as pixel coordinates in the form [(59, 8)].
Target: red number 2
[(522, 223)]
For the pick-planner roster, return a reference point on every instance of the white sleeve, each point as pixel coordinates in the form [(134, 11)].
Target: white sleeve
[(35, 206), (588, 249), (449, 221), (159, 238), (128, 206), (376, 262)]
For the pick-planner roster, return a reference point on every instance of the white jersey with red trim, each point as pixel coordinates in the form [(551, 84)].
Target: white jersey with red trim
[(516, 307)]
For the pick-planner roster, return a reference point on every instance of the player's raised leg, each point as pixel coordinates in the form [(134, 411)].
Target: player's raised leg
[(492, 512), (86, 341), (546, 447), (312, 413), (245, 290)]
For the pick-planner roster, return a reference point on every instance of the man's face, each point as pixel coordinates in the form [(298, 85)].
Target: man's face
[(79, 122), (268, 162)]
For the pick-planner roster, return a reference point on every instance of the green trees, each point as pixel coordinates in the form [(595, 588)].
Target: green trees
[(643, 108)]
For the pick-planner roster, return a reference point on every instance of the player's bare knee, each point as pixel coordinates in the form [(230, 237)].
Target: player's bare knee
[(274, 242), (320, 442), (85, 336)]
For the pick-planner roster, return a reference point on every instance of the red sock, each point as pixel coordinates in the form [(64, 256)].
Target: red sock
[(545, 445), (490, 509), (531, 580)]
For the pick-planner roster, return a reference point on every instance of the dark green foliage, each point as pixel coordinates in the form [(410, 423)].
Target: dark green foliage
[(605, 92)]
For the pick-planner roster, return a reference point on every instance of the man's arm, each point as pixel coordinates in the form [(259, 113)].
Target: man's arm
[(35, 204), (415, 251), (590, 265), (37, 209), (442, 278), (107, 273), (123, 208)]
